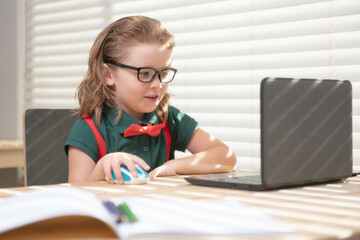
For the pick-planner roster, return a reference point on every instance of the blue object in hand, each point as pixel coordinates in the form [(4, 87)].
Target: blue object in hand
[(142, 177)]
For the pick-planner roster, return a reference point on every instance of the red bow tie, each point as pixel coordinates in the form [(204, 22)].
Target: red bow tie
[(152, 130)]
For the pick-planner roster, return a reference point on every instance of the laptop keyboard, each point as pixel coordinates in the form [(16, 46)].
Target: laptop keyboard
[(239, 177)]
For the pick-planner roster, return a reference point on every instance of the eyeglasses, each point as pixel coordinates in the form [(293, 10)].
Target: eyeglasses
[(146, 74)]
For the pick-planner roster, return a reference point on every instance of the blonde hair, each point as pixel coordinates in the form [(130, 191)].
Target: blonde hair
[(112, 44)]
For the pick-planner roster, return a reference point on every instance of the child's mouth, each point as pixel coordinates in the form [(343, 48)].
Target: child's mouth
[(152, 97)]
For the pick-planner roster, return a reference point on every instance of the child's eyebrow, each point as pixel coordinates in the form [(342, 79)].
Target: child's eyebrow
[(166, 67)]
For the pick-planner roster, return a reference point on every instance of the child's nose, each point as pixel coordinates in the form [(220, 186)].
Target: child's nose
[(156, 83)]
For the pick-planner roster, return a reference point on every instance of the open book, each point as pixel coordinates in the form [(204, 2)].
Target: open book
[(156, 217)]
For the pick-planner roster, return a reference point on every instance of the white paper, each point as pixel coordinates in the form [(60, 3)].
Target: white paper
[(197, 217)]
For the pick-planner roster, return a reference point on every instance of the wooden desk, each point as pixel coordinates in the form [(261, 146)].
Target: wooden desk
[(329, 211), (11, 154)]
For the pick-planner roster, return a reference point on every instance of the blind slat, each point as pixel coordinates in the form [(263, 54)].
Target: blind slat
[(216, 92), (218, 106), (231, 120)]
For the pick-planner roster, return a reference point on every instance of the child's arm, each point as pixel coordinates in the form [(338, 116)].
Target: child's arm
[(210, 155), (82, 168)]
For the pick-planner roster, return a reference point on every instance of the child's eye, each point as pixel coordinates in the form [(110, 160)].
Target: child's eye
[(164, 73), (146, 74)]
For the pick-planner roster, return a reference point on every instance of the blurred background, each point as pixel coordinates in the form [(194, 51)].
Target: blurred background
[(224, 48)]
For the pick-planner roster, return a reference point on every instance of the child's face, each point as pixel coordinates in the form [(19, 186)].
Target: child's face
[(138, 98)]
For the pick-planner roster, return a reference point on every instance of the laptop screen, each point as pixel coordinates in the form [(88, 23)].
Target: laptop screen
[(306, 130)]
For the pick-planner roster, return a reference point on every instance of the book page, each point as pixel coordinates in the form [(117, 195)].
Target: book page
[(50, 202), (197, 217), (156, 217)]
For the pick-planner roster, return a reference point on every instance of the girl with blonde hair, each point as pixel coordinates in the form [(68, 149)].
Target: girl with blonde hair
[(124, 93)]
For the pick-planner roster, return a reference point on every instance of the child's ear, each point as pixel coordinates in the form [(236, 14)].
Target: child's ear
[(107, 75)]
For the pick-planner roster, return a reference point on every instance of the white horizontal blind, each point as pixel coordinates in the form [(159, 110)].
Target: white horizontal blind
[(223, 50)]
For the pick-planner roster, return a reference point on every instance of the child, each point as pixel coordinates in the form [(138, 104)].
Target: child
[(126, 83)]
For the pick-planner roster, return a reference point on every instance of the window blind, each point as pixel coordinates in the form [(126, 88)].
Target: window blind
[(223, 51)]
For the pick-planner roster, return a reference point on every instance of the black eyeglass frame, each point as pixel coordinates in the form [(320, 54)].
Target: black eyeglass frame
[(139, 69)]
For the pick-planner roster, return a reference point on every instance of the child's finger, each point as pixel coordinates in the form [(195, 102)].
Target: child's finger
[(140, 162), (107, 171), (117, 172), (154, 173), (131, 166), (128, 162)]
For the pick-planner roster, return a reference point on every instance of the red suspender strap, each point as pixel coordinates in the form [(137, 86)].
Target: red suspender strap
[(168, 140), (99, 139), (101, 143)]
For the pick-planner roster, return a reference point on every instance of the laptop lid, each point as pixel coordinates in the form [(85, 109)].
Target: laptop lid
[(306, 131), (306, 136)]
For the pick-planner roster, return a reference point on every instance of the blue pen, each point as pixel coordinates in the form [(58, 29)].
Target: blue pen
[(114, 211)]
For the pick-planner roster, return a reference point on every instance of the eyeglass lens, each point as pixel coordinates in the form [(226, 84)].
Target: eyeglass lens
[(148, 74)]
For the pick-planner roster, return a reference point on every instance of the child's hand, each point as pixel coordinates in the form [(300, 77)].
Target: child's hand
[(113, 161), (163, 170)]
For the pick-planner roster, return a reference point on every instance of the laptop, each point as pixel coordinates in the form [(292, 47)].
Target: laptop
[(306, 136)]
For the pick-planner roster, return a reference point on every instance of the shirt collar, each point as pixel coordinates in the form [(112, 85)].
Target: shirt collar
[(126, 120)]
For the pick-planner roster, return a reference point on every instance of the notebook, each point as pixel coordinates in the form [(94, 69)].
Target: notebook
[(306, 136)]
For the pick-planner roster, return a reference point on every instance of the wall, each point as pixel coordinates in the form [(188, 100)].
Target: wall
[(9, 104), (10, 75)]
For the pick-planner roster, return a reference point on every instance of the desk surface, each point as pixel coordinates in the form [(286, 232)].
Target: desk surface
[(11, 154), (328, 211)]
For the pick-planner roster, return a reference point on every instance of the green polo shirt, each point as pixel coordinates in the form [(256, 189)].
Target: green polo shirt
[(151, 149)]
